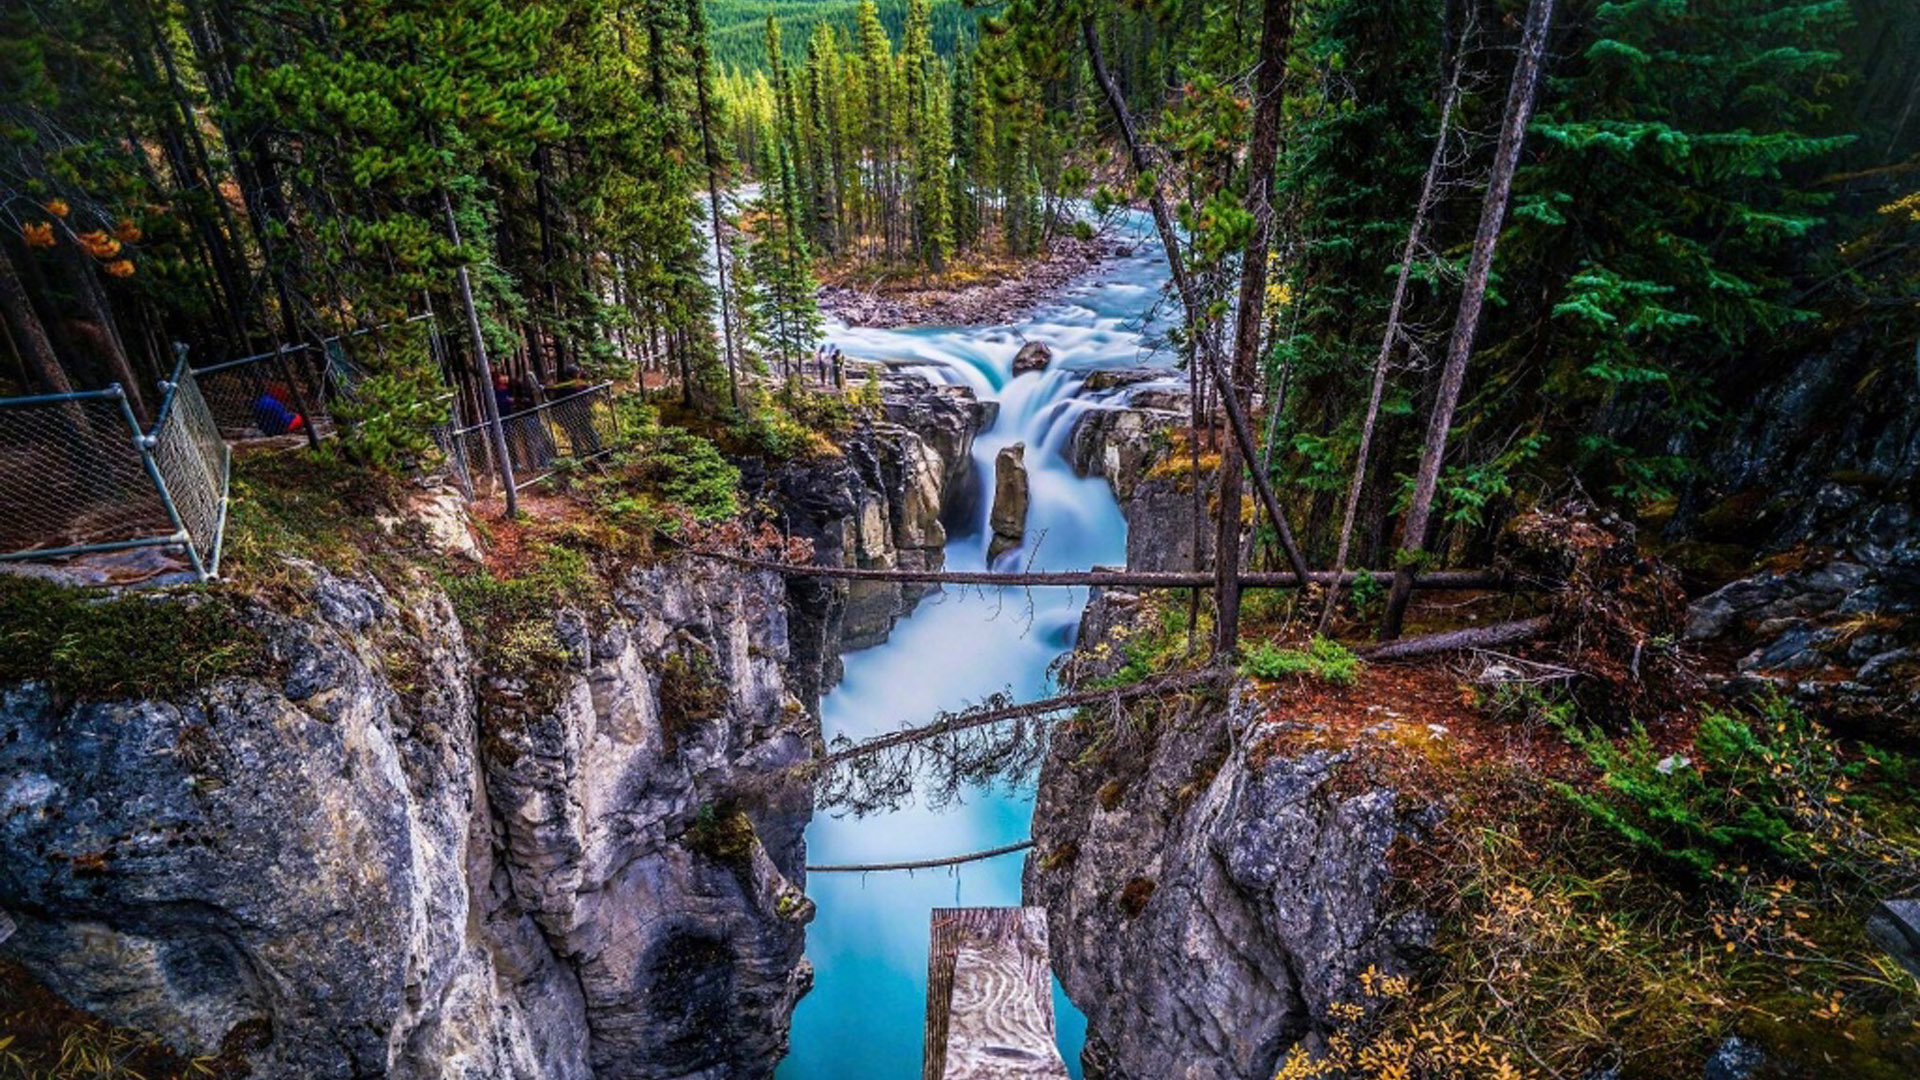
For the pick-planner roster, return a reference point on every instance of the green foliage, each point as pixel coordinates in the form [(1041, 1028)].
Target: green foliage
[(1774, 790), (723, 833), (692, 692), (150, 645), (1323, 659), (387, 420)]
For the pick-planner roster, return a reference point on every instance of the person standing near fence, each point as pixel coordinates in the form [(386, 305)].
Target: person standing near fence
[(536, 446), (575, 413)]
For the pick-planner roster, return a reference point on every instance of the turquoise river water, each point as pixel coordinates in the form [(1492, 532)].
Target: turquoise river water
[(868, 944)]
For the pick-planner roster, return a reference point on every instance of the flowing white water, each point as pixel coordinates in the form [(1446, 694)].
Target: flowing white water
[(864, 1018)]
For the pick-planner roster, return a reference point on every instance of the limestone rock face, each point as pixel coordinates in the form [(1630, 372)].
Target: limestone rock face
[(387, 860), (1033, 356), (883, 504), (1122, 443), (1207, 907), (1010, 496)]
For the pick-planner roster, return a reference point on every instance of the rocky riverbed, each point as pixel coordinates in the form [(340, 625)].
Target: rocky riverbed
[(1003, 294)]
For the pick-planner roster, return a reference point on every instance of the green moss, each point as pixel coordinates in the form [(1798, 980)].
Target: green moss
[(692, 692), (308, 506), (721, 832), (150, 644), (1134, 896)]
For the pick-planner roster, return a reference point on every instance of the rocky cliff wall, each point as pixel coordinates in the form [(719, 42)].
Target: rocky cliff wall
[(573, 852), (388, 860), (1121, 440), (884, 503), (1207, 906)]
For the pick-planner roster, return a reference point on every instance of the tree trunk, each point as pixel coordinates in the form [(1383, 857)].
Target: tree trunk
[(28, 335), (1387, 341), (497, 434), (1493, 213), (697, 19), (1189, 296), (1262, 149)]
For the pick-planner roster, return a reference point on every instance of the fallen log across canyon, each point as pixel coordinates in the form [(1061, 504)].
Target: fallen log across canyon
[(1121, 579), (974, 718), (920, 864)]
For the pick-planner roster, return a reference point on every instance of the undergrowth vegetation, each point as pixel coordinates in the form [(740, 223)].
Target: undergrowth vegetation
[(1681, 888), (1323, 659), (509, 617)]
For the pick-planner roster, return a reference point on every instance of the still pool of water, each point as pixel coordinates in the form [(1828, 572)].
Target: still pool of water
[(865, 1016)]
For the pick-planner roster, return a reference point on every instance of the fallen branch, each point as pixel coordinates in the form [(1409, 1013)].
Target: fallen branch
[(967, 720), (1479, 637), (1124, 579), (922, 864)]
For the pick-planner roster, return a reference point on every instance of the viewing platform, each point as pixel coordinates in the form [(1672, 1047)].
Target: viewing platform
[(990, 997)]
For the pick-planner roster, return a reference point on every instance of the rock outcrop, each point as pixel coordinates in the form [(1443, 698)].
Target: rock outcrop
[(882, 504), (1122, 441), (389, 860), (1009, 516), (1836, 633), (1208, 904)]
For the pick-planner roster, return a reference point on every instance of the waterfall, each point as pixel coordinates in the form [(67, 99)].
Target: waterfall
[(869, 941)]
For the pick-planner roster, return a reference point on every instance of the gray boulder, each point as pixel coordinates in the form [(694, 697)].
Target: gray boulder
[(1033, 356)]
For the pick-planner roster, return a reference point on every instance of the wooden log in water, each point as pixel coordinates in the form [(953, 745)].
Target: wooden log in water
[(990, 997), (919, 864), (1118, 579)]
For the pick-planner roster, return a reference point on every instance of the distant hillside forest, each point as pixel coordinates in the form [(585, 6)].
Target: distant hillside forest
[(739, 27)]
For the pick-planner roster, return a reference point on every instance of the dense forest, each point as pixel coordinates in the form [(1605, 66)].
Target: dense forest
[(739, 27), (1693, 194), (1471, 444), (1625, 232)]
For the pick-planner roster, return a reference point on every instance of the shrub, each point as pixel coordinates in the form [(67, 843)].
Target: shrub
[(1774, 789), (1323, 659), (509, 620)]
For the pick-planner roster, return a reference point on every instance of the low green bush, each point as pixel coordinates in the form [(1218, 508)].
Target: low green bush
[(1323, 659)]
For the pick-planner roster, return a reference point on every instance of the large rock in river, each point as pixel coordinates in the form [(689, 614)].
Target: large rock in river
[(1009, 519), (1033, 356)]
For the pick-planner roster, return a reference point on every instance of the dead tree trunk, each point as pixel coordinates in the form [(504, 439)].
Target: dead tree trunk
[(1387, 340), (1189, 296), (497, 435), (1262, 150), (1473, 291)]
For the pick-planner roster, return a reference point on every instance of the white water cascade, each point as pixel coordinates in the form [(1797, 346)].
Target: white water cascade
[(868, 943)]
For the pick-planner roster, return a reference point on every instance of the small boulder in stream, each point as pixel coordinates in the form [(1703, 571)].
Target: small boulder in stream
[(1033, 356), (1009, 518)]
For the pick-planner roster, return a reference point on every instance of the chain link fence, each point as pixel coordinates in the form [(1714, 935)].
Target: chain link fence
[(281, 392), (79, 476), (578, 427), (269, 394)]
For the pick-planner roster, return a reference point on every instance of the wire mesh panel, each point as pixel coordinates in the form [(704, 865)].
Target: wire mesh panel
[(72, 477), (578, 427), (192, 460)]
